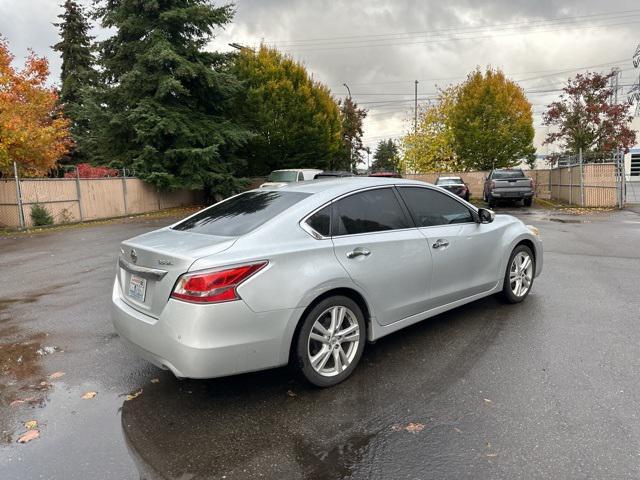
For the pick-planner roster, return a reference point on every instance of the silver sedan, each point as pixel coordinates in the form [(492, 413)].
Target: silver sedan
[(308, 273)]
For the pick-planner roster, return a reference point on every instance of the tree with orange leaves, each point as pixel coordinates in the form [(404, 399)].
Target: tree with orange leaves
[(33, 132)]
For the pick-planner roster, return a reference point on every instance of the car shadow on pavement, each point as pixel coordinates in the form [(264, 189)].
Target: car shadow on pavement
[(272, 425)]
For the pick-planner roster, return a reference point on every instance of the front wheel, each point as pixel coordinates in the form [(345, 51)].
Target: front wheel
[(331, 341), (518, 278)]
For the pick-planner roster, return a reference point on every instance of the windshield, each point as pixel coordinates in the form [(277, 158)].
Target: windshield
[(507, 174), (240, 214), (283, 176), (449, 181)]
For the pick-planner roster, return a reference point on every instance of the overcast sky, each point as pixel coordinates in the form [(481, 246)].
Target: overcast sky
[(379, 47)]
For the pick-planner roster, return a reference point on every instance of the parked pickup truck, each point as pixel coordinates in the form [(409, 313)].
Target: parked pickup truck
[(508, 185)]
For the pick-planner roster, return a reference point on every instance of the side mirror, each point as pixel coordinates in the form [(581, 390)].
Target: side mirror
[(485, 215)]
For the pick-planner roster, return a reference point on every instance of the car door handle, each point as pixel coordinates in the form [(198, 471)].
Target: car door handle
[(440, 243), (358, 252)]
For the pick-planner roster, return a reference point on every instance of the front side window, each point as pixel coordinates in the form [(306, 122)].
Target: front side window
[(429, 207), (300, 177), (369, 211), (240, 214)]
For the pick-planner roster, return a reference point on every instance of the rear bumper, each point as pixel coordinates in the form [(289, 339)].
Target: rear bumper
[(508, 194), (206, 341)]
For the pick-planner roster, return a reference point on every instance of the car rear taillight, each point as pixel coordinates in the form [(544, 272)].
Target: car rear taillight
[(214, 286), (493, 184)]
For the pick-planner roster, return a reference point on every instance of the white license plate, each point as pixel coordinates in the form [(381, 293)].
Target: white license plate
[(137, 288)]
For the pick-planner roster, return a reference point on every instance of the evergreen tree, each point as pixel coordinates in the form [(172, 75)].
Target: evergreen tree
[(295, 120), (386, 157), (352, 151), (77, 72), (163, 109)]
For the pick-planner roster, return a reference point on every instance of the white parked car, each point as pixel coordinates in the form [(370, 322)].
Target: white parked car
[(280, 178)]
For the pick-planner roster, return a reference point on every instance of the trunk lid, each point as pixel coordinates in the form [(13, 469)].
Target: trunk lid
[(150, 264)]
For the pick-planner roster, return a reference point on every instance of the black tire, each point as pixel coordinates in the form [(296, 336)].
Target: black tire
[(490, 201), (303, 342), (507, 294), (527, 202), (466, 196)]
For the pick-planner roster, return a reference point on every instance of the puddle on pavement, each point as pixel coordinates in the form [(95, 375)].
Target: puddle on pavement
[(23, 381)]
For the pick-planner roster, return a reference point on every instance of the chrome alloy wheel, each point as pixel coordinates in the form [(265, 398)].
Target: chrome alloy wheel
[(521, 274), (333, 341)]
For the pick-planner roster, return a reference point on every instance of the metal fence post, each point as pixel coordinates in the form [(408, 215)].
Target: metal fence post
[(19, 196), (581, 178), (570, 185), (124, 189), (79, 194)]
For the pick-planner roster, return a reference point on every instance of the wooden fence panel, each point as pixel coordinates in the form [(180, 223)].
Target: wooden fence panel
[(101, 198), (95, 198)]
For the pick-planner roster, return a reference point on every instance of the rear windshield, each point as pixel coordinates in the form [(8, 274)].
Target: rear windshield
[(240, 214), (507, 174), (449, 181), (283, 176)]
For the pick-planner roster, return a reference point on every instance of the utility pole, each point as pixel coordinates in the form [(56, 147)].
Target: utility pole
[(415, 109), (350, 140)]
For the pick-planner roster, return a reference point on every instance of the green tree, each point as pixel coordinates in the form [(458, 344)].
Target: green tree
[(163, 109), (386, 158), (294, 119), (491, 122), (77, 72), (585, 119), (431, 147), (352, 150)]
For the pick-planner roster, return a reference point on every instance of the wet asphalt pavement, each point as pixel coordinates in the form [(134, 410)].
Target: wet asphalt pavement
[(546, 389)]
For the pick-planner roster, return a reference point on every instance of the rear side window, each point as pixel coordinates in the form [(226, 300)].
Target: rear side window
[(507, 174), (369, 211), (321, 221), (430, 208), (240, 214)]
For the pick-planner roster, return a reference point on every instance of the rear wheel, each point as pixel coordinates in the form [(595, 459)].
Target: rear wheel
[(490, 201), (331, 341), (518, 278), (527, 202)]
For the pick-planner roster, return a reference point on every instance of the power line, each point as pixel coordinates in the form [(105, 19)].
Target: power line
[(449, 38), (466, 28)]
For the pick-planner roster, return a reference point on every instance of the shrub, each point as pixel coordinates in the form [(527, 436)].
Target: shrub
[(40, 216)]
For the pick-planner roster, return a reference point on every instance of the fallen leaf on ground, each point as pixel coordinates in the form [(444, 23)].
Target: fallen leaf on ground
[(411, 427), (457, 430), (31, 425), (28, 436), (133, 395), (89, 395), (486, 400), (15, 403), (155, 380), (492, 454), (56, 375), (291, 393)]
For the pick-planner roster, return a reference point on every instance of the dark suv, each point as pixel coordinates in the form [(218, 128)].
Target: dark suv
[(510, 184)]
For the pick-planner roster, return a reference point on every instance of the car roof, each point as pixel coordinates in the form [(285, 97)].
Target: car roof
[(453, 177), (339, 185)]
